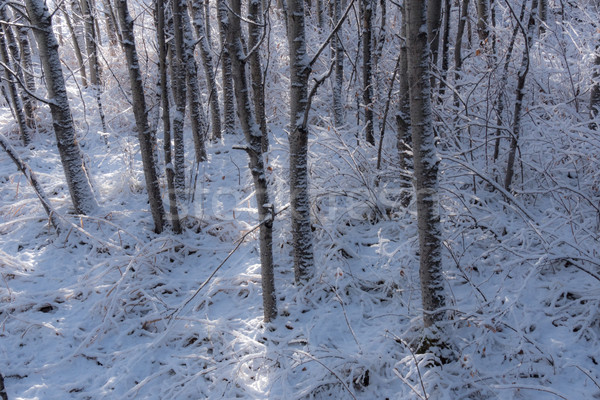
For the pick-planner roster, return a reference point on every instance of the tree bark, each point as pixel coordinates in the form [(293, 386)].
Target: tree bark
[(426, 168), (403, 114), (226, 72), (519, 96), (29, 102), (76, 49), (166, 115), (595, 92), (198, 18), (367, 67), (178, 82), (338, 71), (434, 21), (92, 53), (197, 116), (298, 138), (14, 96), (483, 17), (254, 150), (70, 154), (141, 116), (445, 47), (256, 72)]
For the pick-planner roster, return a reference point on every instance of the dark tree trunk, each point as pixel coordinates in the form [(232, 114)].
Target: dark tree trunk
[(226, 73), (299, 197), (256, 164), (166, 116), (198, 18), (178, 82), (426, 168), (519, 96), (367, 67), (256, 72), (141, 116)]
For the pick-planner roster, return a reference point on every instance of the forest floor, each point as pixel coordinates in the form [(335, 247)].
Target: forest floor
[(111, 310)]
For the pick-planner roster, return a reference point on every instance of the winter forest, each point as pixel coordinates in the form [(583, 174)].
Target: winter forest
[(289, 199)]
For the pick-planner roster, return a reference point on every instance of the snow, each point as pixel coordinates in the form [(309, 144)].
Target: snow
[(109, 309)]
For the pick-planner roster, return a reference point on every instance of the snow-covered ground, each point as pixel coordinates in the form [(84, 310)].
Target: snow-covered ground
[(110, 310)]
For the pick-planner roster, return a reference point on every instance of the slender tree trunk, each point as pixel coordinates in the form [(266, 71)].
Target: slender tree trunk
[(166, 116), (520, 95), (595, 92), (178, 78), (299, 197), (483, 17), (426, 168), (197, 116), (141, 116), (92, 53), (111, 23), (15, 98), (543, 13), (367, 70), (445, 47), (226, 73), (403, 116), (254, 150), (458, 47), (29, 102), (198, 18), (338, 80), (76, 49), (504, 80), (68, 148), (256, 71), (434, 21)]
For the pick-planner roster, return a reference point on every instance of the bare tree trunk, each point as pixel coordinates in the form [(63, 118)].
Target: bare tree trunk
[(367, 67), (92, 53), (29, 102), (595, 92), (198, 18), (543, 15), (403, 115), (111, 23), (76, 49), (299, 197), (166, 116), (445, 47), (226, 73), (15, 99), (141, 116), (483, 17), (426, 169), (458, 47), (520, 95), (256, 72), (434, 21), (254, 150), (197, 116), (504, 79), (70, 154), (178, 75), (338, 81)]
